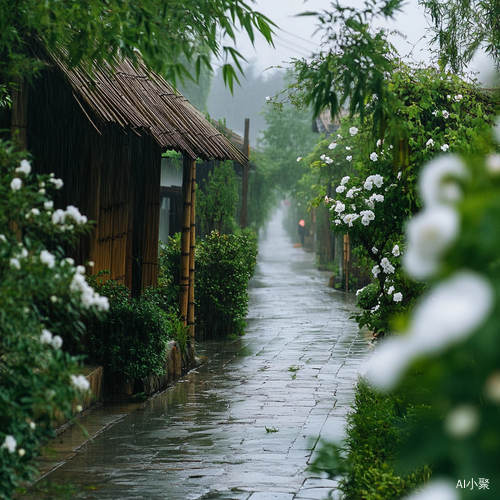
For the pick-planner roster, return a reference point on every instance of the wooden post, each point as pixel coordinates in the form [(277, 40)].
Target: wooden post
[(244, 198), (347, 260), (185, 236), (191, 312)]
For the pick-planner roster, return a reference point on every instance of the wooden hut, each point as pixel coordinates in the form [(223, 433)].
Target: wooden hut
[(103, 132)]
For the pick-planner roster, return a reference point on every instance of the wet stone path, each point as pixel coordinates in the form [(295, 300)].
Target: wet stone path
[(243, 425)]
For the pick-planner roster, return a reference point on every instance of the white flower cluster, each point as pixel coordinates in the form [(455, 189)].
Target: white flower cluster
[(10, 444), (457, 305), (326, 159), (71, 214), (89, 298), (80, 382), (46, 338), (432, 231)]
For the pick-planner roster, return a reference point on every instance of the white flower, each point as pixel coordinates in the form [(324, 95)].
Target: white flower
[(378, 180), (380, 142), (376, 270), (429, 234), (32, 425), (395, 251), (391, 289), (462, 421), (348, 158), (435, 113), (387, 266), (377, 197), (328, 160), (493, 163), (437, 180), (332, 145), (80, 382), (340, 189), (436, 489), (16, 184), (367, 216), (339, 136), (21, 452), (429, 143), (347, 148), (375, 250), (41, 191), (445, 147), (353, 130), (47, 258), (446, 115), (15, 263), (447, 315), (48, 205), (25, 167), (459, 97), (268, 98), (399, 175), (338, 222), (397, 297), (370, 203), (322, 157), (58, 183), (340, 207), (344, 180), (368, 185), (79, 408), (91, 263), (57, 342), (46, 336), (10, 443), (373, 156), (448, 96), (299, 158), (359, 290), (350, 218), (53, 299), (492, 387), (3, 238), (35, 211)]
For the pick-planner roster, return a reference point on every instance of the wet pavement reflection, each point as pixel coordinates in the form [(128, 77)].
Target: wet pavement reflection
[(243, 425)]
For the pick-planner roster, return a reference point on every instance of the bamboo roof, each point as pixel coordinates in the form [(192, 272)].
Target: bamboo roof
[(134, 97)]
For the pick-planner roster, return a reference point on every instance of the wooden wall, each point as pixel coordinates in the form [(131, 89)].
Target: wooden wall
[(111, 175)]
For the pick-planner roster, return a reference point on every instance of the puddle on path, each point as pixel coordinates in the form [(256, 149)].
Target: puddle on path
[(212, 435)]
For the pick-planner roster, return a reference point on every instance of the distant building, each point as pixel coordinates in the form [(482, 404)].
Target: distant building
[(324, 123)]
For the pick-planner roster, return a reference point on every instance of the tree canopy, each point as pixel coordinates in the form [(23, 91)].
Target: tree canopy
[(164, 32)]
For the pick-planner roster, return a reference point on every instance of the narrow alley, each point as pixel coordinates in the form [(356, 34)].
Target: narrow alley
[(244, 425)]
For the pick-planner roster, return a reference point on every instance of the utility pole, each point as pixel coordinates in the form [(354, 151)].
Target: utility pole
[(246, 152)]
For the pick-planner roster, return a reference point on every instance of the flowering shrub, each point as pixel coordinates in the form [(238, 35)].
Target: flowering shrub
[(42, 298), (447, 361), (373, 202)]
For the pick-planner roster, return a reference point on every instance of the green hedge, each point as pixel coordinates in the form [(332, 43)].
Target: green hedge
[(367, 462)]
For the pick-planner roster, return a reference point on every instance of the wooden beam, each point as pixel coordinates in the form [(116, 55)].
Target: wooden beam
[(244, 198), (185, 236)]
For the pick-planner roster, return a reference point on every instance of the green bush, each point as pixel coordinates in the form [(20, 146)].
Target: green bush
[(368, 460), (368, 296), (43, 298), (224, 265), (132, 339)]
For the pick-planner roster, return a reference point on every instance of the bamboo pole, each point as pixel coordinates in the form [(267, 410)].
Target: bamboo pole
[(244, 200), (185, 237), (191, 306)]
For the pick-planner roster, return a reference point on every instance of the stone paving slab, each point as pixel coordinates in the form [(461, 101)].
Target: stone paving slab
[(245, 424)]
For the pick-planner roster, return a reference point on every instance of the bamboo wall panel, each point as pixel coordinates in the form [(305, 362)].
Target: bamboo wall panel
[(152, 168)]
